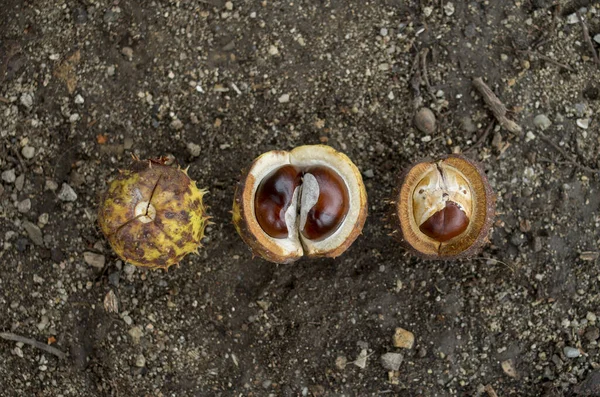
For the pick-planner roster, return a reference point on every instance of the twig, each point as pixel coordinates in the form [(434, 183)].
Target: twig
[(490, 391), (496, 106), (4, 100), (34, 343), (16, 152), (567, 157), (423, 55), (482, 138), (547, 59), (588, 40), (415, 82)]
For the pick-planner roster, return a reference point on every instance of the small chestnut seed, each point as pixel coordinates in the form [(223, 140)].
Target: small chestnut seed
[(446, 223), (444, 209), (331, 207), (309, 201), (273, 198)]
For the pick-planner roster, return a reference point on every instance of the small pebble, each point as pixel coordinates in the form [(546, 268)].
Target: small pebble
[(391, 361), (9, 176), (285, 98), (176, 124), (369, 174), (508, 367), (27, 100), (403, 338), (136, 334), (128, 52), (140, 361), (542, 122), (592, 333), (74, 117), (20, 182), (341, 362), (34, 233), (67, 193), (194, 149), (571, 352), (24, 206), (127, 320), (449, 9), (583, 123), (110, 70), (79, 99), (361, 360), (93, 259), (597, 38), (229, 5), (28, 152), (273, 50), (43, 323), (383, 32), (425, 121)]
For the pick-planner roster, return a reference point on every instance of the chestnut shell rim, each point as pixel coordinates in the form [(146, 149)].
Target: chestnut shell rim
[(294, 247), (481, 238)]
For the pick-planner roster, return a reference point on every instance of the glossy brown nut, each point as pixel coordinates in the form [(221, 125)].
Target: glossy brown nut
[(332, 206), (273, 198), (446, 224)]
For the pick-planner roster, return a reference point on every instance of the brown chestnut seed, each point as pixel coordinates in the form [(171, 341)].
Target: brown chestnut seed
[(283, 220), (331, 207), (446, 224), (444, 208), (273, 198)]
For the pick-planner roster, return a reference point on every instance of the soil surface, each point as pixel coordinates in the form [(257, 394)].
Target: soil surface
[(85, 84)]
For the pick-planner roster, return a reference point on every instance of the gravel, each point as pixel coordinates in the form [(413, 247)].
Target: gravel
[(571, 352), (34, 233), (94, 259), (391, 361), (9, 176), (542, 122), (67, 193)]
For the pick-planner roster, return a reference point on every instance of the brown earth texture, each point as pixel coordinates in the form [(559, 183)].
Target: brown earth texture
[(84, 84)]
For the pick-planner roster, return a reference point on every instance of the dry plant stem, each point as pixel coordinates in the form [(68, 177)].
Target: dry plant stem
[(415, 83), (567, 157), (482, 138), (490, 391), (423, 55), (548, 59), (496, 106), (588, 40), (34, 343)]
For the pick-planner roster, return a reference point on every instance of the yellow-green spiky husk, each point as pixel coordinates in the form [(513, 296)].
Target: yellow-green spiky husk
[(177, 228)]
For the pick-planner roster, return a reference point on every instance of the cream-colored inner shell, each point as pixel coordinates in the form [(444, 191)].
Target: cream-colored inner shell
[(306, 195), (437, 187)]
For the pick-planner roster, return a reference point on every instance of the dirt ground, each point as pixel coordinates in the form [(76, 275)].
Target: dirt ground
[(84, 84)]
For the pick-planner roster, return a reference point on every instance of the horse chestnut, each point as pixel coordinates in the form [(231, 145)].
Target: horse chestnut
[(310, 201), (444, 209), (153, 214)]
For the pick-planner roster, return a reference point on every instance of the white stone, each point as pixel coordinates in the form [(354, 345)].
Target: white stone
[(583, 123), (67, 193), (9, 176), (285, 98), (79, 99), (27, 100), (28, 152)]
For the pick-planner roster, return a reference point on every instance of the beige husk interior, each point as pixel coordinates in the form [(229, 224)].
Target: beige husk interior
[(306, 156), (410, 230)]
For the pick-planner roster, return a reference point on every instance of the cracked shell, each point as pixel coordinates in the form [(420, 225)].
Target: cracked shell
[(153, 214), (310, 201), (443, 209)]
